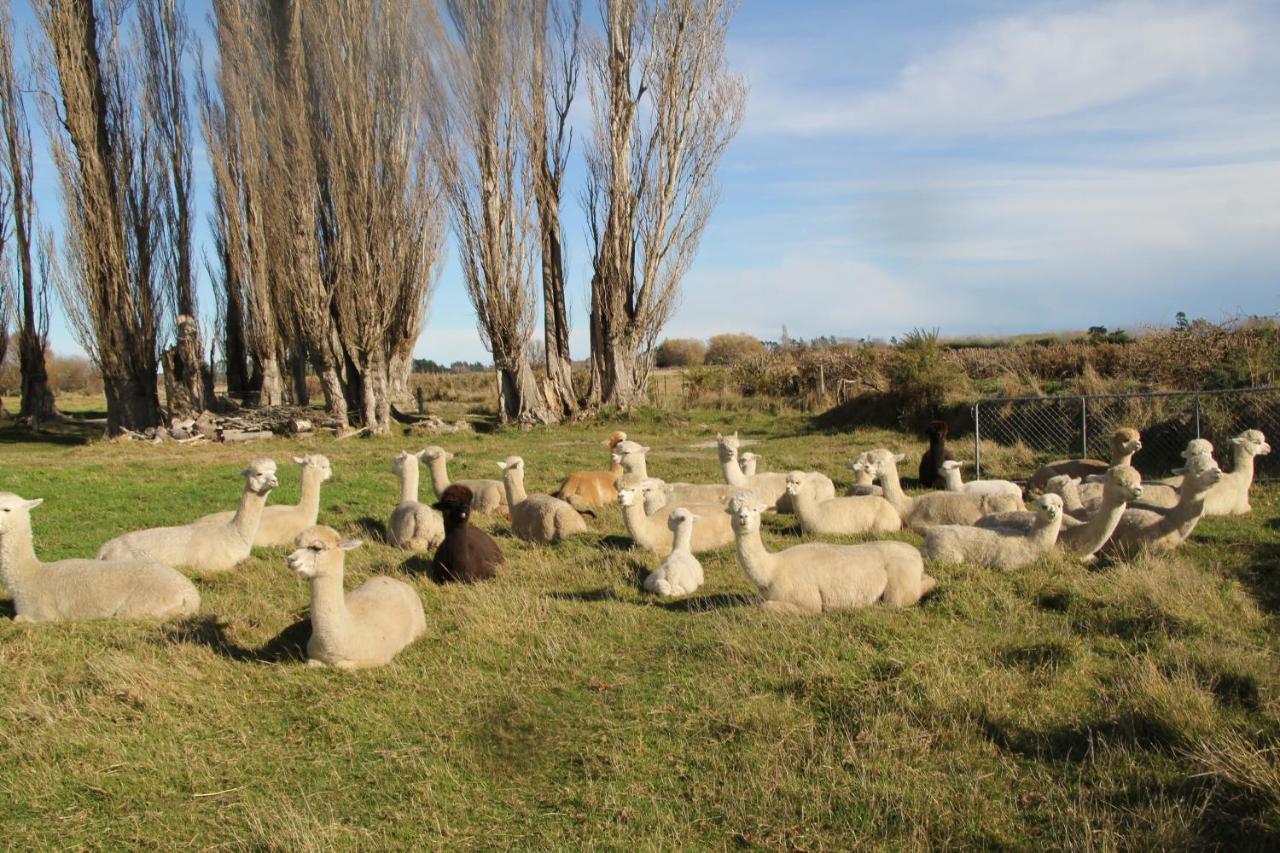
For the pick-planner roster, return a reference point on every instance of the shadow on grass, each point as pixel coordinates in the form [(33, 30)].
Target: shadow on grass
[(7, 609), (703, 603), (1072, 744), (614, 542), (288, 645), (372, 528), (588, 595), (1260, 576), (69, 434)]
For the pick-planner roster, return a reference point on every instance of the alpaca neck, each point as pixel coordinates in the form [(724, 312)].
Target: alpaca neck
[(862, 478), (309, 497), (1098, 528), (409, 483), (17, 557), (514, 483), (1242, 465), (732, 473), (1046, 533), (1071, 498), (683, 539), (804, 501), (756, 562), (329, 606), (439, 475), (635, 465), (646, 532), (1119, 457), (1190, 504), (951, 479), (893, 493), (248, 514)]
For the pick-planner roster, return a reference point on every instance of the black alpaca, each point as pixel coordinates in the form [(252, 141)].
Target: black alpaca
[(467, 553), (933, 458)]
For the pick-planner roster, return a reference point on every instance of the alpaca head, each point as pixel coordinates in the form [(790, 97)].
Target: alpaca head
[(796, 481), (319, 551), (1124, 481), (1048, 507), (881, 461), (455, 505), (949, 466), (1059, 483), (315, 462), (744, 512), (15, 512), (403, 461), (632, 492), (260, 476), (1252, 441), (679, 517), (614, 440), (727, 446), (1125, 441), (1199, 474), (431, 454), (512, 466), (937, 430), (626, 453), (748, 462), (1198, 447)]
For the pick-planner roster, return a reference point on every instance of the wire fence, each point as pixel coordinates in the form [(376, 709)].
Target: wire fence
[(1041, 428)]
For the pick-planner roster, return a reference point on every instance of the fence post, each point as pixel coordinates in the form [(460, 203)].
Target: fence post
[(977, 443), (1197, 416), (1084, 427)]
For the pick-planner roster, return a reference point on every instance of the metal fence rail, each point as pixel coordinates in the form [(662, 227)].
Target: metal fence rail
[(1081, 425)]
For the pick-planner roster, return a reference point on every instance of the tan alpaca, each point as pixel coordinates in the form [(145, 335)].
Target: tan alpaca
[(412, 526), (652, 530), (280, 525), (537, 518), (589, 490), (1124, 443), (839, 516), (487, 496)]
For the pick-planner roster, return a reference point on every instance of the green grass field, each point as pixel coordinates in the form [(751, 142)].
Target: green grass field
[(1118, 707)]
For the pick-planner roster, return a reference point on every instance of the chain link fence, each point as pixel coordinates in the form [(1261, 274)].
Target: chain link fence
[(1017, 432)]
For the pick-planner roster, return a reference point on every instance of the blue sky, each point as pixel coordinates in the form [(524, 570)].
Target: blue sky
[(982, 166)]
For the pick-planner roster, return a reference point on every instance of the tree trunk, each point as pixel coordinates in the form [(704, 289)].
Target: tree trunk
[(398, 379), (184, 372), (37, 399), (271, 392), (132, 403), (518, 398), (560, 397), (298, 376), (335, 400), (623, 373)]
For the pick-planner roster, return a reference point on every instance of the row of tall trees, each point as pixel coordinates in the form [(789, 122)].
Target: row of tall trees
[(345, 137)]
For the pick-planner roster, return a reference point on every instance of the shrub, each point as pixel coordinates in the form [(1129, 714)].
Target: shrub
[(733, 349), (922, 375), (680, 352)]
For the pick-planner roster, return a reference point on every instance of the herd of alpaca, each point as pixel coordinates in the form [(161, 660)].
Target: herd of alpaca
[(1083, 508)]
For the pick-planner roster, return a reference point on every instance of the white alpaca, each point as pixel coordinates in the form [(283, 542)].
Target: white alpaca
[(1161, 493), (770, 487), (488, 496), (839, 516), (203, 547), (280, 525), (924, 511), (537, 518), (1068, 488), (680, 573), (412, 526), (950, 471), (1160, 529), (363, 628), (631, 456), (996, 549), (83, 589), (863, 482), (1230, 496), (749, 463), (651, 529), (1124, 443), (816, 576)]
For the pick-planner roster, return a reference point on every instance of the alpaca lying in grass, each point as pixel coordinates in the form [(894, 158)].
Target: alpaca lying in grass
[(1162, 493), (816, 576), (537, 518), (924, 511), (1124, 443), (839, 516), (770, 487), (1230, 495), (67, 590), (488, 495), (952, 482), (996, 549), (632, 457), (650, 529), (863, 483), (203, 547), (363, 628), (1157, 529), (680, 573), (412, 526), (589, 490), (280, 525), (467, 554)]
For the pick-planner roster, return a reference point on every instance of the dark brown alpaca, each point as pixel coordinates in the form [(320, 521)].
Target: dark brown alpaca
[(933, 458), (467, 553)]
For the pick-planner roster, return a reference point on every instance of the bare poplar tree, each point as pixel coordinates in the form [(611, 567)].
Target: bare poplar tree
[(103, 150), (665, 110), (488, 180), (33, 322), (555, 29)]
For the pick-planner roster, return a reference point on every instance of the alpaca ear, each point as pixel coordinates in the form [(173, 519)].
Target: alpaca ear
[(898, 457), (502, 466), (300, 460), (1179, 470), (644, 450), (719, 437), (350, 544), (760, 507), (32, 504)]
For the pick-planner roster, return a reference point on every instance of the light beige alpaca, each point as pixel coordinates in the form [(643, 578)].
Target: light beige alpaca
[(280, 525), (816, 576), (1124, 443), (1230, 496), (680, 573), (363, 628), (770, 487), (1160, 529), (996, 549), (203, 547), (1161, 493), (413, 526), (631, 456), (925, 511), (1085, 538), (590, 490), (839, 516), (487, 496), (537, 518), (863, 483), (953, 482), (83, 589), (651, 530)]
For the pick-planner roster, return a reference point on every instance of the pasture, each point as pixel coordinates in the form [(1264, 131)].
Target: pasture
[(1112, 707)]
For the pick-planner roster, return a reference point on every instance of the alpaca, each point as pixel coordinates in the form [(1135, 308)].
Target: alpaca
[(950, 472), (863, 482), (1124, 443), (83, 589), (280, 525), (680, 573), (924, 511), (588, 490), (489, 495), (1159, 530), (537, 518), (769, 487), (467, 553), (933, 458), (363, 628), (816, 576), (651, 530), (1230, 496), (839, 516), (203, 547), (412, 526), (749, 463), (996, 549), (631, 456)]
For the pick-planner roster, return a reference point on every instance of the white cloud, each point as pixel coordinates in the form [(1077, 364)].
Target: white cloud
[(1029, 67)]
